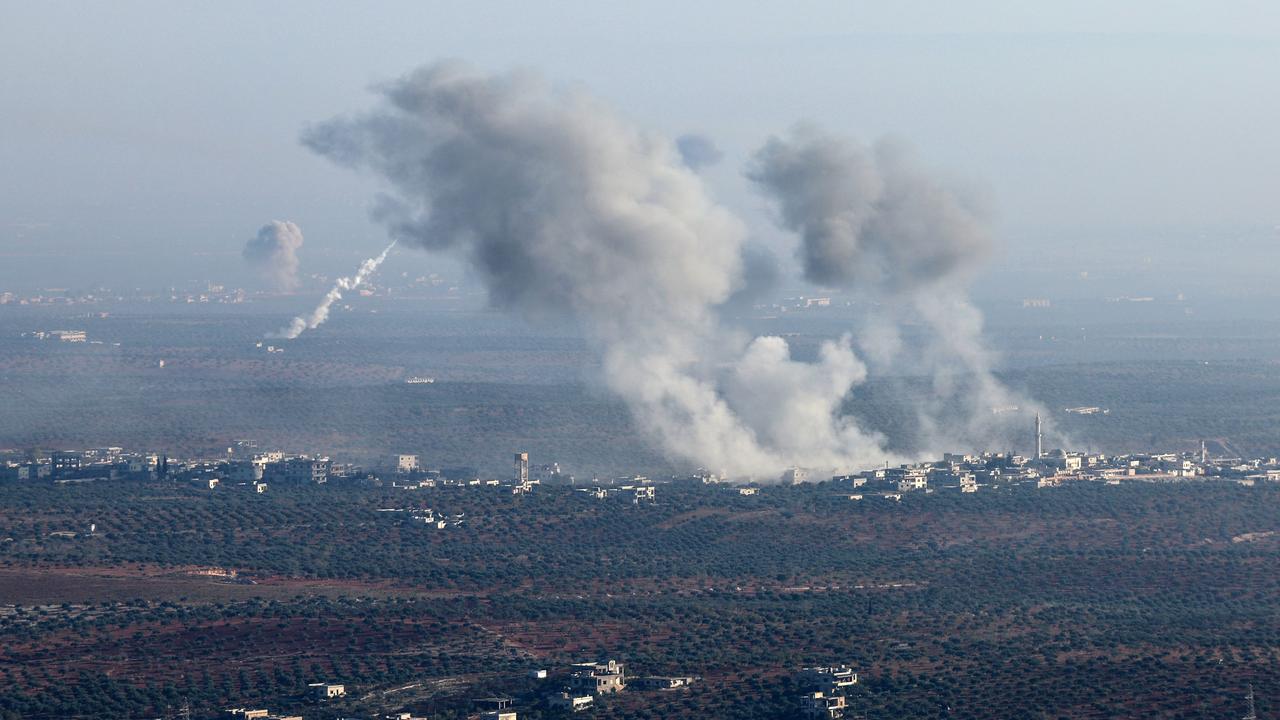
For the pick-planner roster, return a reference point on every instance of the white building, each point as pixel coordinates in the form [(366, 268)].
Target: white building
[(571, 701), (325, 691)]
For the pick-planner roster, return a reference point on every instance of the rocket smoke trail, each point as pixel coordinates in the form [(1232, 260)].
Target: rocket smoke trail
[(321, 313)]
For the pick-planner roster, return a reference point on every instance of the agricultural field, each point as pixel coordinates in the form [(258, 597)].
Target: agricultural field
[(1085, 601)]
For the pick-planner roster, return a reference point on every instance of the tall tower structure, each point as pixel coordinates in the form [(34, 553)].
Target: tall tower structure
[(522, 468), (1204, 453), (1039, 439)]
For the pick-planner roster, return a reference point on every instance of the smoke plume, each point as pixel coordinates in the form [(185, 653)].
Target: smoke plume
[(274, 253), (873, 222), (318, 316), (564, 209)]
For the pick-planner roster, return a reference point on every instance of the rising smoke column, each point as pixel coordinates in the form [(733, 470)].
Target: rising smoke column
[(274, 253), (318, 316), (564, 209), (872, 221)]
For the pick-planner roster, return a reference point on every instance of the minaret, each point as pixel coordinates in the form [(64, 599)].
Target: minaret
[(1204, 453), (1039, 439)]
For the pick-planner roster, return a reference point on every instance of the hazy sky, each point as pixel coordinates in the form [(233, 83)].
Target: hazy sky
[(156, 134)]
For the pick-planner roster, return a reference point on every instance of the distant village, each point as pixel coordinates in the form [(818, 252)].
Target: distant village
[(246, 467)]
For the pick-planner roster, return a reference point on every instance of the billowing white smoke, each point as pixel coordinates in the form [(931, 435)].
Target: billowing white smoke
[(872, 222), (274, 253), (564, 209), (318, 316)]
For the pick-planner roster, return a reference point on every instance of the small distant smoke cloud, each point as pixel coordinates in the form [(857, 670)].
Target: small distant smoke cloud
[(698, 151), (872, 221), (274, 253)]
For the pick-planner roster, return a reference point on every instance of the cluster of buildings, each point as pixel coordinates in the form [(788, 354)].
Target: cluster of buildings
[(409, 473), (966, 473), (245, 467), (825, 691), (67, 336), (569, 691), (577, 689), (113, 463), (204, 292)]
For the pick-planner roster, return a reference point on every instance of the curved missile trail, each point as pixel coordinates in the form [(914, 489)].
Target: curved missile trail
[(321, 313)]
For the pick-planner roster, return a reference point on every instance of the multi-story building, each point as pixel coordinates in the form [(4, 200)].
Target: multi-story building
[(818, 704), (598, 678), (298, 471), (522, 468), (827, 679), (406, 463), (64, 462)]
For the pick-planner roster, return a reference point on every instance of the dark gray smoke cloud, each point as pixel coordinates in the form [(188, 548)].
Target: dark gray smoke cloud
[(273, 252), (869, 215), (698, 151), (872, 221), (565, 209)]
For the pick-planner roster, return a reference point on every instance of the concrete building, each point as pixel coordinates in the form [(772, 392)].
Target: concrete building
[(821, 705), (65, 462), (662, 682), (827, 679), (243, 471), (498, 715), (795, 476), (598, 678), (298, 471), (913, 480), (571, 702), (406, 463), (326, 691), (522, 468)]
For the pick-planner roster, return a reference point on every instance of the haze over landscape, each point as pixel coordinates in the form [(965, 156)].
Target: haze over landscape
[(809, 317)]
